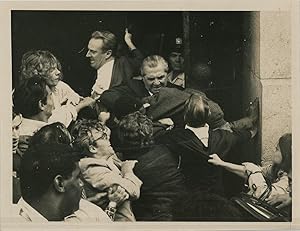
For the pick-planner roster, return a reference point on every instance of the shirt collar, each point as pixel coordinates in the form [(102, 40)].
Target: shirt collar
[(29, 213), (201, 133), (106, 67), (29, 127)]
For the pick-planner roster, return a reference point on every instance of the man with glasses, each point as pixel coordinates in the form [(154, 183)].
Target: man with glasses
[(102, 170)]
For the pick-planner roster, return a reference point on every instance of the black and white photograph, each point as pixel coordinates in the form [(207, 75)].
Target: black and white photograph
[(174, 115)]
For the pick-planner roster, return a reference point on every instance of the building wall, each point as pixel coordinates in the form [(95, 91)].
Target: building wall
[(267, 73)]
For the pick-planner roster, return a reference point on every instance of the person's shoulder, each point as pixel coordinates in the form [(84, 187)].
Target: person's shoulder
[(88, 162), (88, 212)]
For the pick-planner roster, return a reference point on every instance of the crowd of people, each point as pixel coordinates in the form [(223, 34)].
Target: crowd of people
[(139, 148)]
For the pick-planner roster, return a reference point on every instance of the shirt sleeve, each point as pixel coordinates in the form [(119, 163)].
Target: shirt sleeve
[(101, 178), (65, 114)]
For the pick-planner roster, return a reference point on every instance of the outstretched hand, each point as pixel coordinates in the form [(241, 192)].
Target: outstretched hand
[(215, 160)]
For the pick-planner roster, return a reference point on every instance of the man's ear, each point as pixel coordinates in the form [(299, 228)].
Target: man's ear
[(41, 105), (92, 149), (58, 183), (108, 54)]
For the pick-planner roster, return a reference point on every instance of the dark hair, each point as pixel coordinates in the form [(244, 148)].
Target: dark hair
[(81, 131), (110, 41), (41, 164), (136, 129), (196, 111), (38, 62), (28, 94), (205, 206), (285, 145), (55, 133)]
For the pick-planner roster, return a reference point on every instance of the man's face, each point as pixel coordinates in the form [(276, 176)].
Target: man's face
[(73, 190), (95, 54), (176, 61), (102, 143), (155, 78), (49, 106)]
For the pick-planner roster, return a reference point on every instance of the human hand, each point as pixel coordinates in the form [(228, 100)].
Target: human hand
[(103, 116), (215, 160), (99, 199), (128, 39), (128, 166), (280, 201), (117, 193), (166, 121), (87, 101)]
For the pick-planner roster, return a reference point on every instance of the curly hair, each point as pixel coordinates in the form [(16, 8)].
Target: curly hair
[(81, 132), (196, 111), (38, 62), (136, 129)]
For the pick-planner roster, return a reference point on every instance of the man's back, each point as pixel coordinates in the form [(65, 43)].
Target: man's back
[(162, 182)]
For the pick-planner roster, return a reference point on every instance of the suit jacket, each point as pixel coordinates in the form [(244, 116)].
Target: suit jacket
[(168, 103), (163, 182), (199, 174), (125, 67)]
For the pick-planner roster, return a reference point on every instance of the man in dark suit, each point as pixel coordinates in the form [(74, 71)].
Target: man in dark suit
[(166, 99), (111, 70)]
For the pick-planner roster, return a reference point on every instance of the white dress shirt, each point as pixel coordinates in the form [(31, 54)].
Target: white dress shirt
[(201, 133), (104, 75)]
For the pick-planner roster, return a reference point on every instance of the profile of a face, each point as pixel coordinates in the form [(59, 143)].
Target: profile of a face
[(155, 78), (73, 187), (277, 155), (53, 77), (176, 61), (95, 53)]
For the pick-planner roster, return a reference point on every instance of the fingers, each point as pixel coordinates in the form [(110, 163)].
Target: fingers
[(97, 197), (126, 30)]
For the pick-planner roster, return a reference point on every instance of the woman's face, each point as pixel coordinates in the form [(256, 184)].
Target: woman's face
[(277, 155), (54, 76)]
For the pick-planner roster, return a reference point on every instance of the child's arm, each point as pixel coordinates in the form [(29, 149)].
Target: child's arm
[(239, 170)]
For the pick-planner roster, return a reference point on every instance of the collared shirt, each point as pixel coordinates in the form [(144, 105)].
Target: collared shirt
[(104, 75), (179, 80), (29, 213), (28, 126), (87, 212), (64, 100), (201, 133)]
